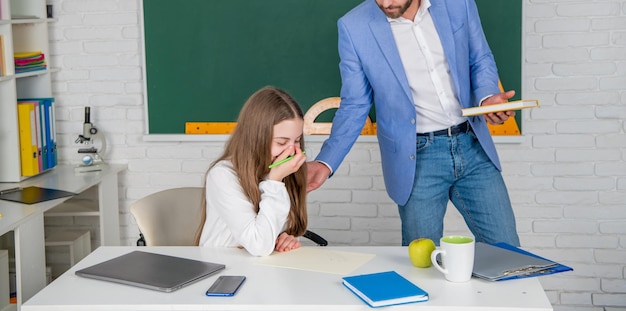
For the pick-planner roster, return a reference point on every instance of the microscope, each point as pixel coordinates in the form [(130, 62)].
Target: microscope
[(92, 159)]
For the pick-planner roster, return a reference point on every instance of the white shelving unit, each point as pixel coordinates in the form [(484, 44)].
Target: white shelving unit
[(74, 245), (24, 28), (69, 239), (4, 282), (28, 238)]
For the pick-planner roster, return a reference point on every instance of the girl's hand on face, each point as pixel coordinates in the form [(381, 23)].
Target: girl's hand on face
[(286, 242), (283, 170)]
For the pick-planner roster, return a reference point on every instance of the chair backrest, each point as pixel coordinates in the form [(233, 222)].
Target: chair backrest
[(170, 217)]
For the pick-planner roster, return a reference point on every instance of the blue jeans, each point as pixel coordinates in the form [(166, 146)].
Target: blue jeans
[(457, 169)]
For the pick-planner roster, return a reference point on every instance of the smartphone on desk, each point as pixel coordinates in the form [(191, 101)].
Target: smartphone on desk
[(226, 285)]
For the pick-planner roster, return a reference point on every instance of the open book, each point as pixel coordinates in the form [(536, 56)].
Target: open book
[(514, 105)]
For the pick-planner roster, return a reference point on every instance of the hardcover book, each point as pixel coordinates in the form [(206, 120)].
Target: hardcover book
[(384, 289), (514, 105)]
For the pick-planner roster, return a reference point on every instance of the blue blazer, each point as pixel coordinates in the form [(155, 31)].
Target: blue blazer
[(372, 72)]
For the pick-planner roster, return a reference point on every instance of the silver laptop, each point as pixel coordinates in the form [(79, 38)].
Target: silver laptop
[(153, 271)]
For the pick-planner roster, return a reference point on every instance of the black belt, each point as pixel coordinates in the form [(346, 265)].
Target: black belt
[(453, 130)]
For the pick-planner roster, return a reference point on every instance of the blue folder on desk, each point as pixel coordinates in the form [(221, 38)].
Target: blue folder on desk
[(555, 269), (32, 195), (502, 261)]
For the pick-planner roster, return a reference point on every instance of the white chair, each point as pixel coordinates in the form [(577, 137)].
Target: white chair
[(172, 217)]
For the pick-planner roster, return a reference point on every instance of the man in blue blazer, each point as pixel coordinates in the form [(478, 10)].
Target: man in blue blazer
[(419, 62)]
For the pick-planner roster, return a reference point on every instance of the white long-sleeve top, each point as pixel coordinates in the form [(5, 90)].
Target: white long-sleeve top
[(230, 217)]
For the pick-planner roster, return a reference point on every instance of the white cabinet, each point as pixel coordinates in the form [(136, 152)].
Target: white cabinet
[(22, 225), (24, 28), (4, 279)]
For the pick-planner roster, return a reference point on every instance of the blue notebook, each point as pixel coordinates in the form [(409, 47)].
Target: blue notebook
[(384, 289)]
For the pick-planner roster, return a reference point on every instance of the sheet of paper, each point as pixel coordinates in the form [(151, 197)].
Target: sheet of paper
[(317, 259)]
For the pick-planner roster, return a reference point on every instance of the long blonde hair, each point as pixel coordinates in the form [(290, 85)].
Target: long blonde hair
[(249, 150)]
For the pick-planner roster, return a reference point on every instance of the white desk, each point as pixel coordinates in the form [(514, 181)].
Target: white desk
[(274, 288), (27, 221)]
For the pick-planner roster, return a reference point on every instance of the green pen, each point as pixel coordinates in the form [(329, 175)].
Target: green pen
[(283, 160)]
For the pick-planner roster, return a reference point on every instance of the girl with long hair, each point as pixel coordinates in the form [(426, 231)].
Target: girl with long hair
[(247, 203)]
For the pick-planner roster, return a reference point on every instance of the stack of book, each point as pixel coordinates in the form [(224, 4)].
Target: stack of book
[(29, 61)]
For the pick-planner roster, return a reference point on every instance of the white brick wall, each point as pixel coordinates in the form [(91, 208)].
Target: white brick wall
[(567, 179)]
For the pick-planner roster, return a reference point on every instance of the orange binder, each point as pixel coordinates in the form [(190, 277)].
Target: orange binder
[(28, 139)]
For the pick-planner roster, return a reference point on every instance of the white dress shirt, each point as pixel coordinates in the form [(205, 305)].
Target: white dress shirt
[(427, 71), (230, 217)]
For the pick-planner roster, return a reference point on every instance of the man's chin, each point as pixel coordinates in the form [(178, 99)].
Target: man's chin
[(393, 13)]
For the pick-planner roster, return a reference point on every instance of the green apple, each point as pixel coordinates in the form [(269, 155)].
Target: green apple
[(419, 252)]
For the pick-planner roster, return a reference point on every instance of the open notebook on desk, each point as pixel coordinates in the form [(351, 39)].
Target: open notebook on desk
[(502, 261)]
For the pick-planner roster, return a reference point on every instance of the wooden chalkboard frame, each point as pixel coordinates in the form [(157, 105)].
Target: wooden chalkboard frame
[(184, 83)]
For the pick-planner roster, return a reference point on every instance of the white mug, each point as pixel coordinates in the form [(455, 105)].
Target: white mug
[(457, 256)]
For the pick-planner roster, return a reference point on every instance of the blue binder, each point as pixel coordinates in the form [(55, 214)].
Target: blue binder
[(43, 124), (552, 270), (50, 139)]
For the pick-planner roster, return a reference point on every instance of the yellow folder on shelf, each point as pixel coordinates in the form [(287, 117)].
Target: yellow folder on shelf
[(28, 139)]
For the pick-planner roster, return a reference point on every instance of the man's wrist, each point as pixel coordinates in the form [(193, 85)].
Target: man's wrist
[(330, 169), (480, 103)]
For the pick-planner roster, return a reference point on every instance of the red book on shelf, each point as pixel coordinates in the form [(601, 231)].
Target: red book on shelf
[(30, 60)]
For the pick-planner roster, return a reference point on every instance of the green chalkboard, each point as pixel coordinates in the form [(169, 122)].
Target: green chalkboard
[(204, 58), (502, 23)]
